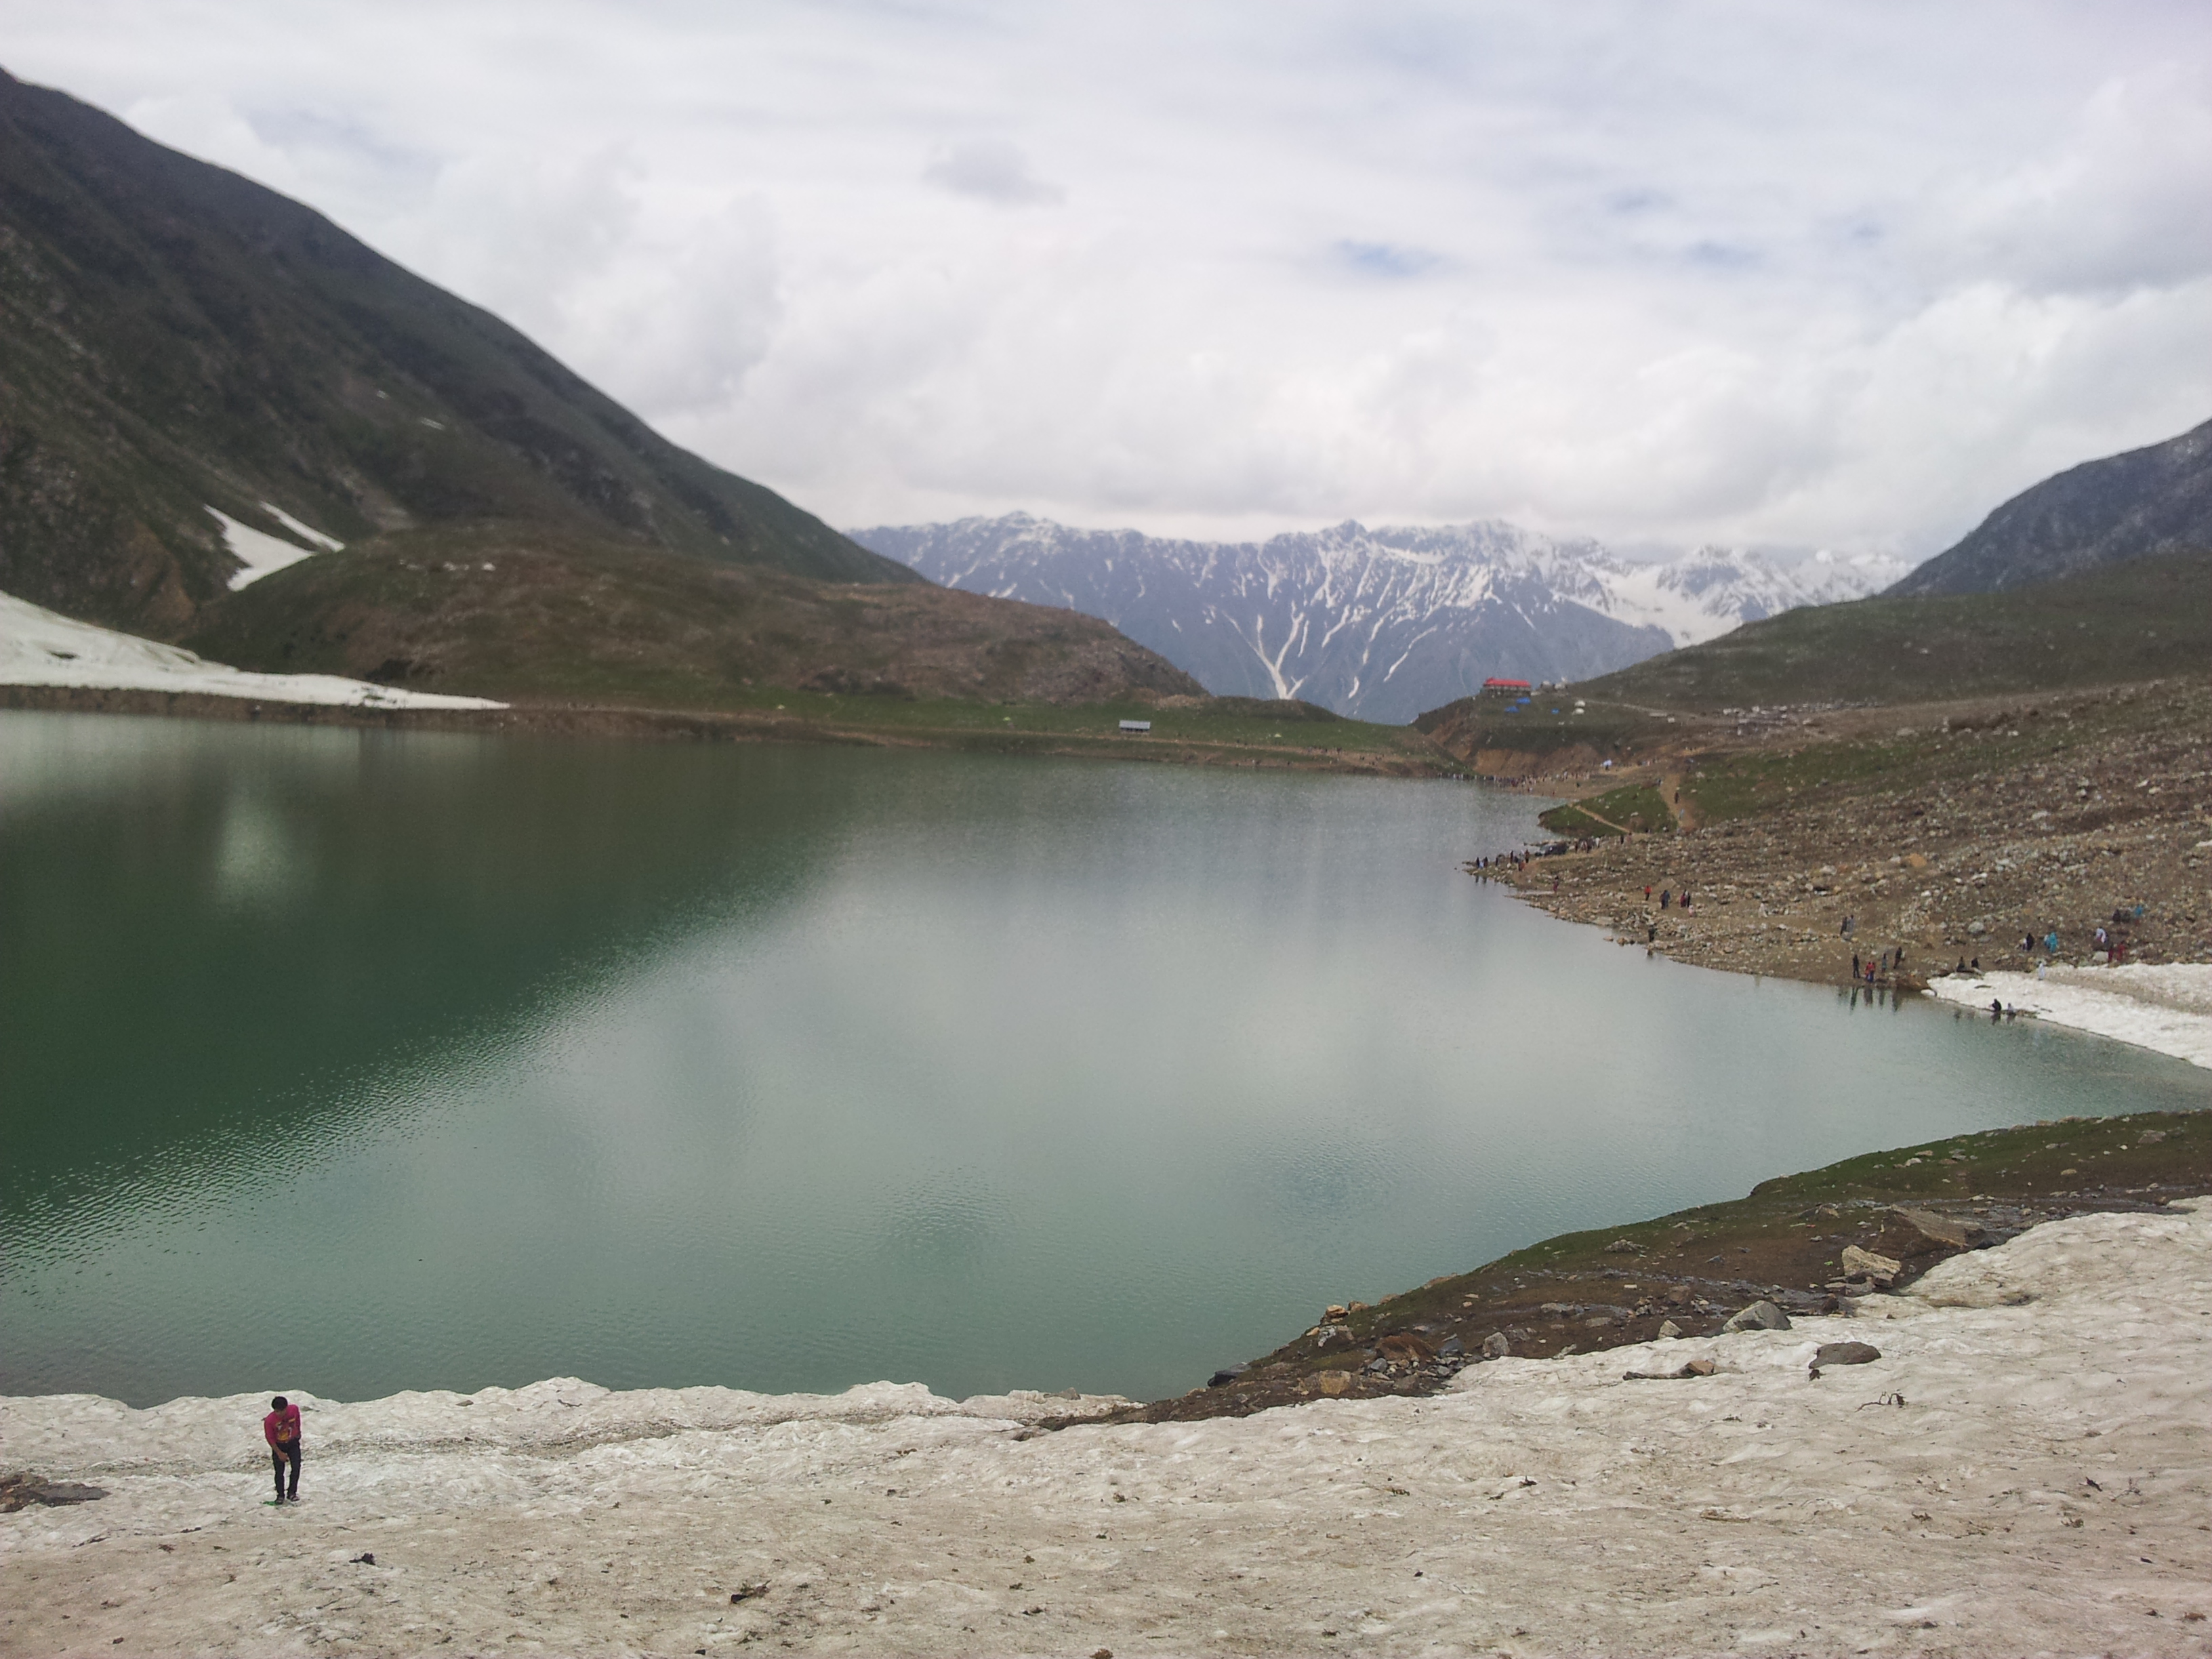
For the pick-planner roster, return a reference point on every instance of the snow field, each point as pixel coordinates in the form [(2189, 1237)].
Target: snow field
[(2040, 1488)]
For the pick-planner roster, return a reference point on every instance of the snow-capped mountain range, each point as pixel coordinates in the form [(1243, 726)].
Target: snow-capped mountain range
[(1378, 623)]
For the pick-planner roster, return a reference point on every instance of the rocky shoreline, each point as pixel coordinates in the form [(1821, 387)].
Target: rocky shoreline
[(1954, 833), (1804, 1245)]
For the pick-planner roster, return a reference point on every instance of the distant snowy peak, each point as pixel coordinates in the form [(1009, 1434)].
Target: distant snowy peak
[(1382, 623), (1703, 594), (1853, 576)]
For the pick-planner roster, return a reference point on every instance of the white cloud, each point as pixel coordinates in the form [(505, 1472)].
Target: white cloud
[(994, 170), (1781, 273)]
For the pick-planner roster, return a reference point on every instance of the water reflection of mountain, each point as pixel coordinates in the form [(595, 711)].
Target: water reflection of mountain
[(220, 937)]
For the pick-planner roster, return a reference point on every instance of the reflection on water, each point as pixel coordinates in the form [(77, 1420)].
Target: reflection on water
[(357, 1061)]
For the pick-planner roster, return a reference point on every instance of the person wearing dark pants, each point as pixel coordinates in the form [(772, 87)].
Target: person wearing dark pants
[(281, 1428)]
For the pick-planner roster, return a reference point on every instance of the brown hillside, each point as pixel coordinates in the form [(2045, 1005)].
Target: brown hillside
[(506, 611)]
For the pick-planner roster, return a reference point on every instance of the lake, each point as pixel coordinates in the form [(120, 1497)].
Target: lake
[(356, 1061)]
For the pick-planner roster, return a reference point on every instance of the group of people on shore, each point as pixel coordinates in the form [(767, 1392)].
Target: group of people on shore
[(2109, 945), (1870, 970), (1522, 859)]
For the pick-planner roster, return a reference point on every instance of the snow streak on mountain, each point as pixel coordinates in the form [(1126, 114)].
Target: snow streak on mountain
[(1378, 623)]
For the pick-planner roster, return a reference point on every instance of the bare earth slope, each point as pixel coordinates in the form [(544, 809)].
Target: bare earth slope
[(2024, 1469)]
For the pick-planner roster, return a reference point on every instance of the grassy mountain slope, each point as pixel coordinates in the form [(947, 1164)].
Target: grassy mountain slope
[(172, 336), (2147, 502), (2146, 619), (2127, 623), (522, 612)]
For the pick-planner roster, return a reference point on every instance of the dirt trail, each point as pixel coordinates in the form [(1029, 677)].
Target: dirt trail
[(1600, 817)]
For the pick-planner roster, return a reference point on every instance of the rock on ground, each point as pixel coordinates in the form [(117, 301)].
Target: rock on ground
[(2023, 1469)]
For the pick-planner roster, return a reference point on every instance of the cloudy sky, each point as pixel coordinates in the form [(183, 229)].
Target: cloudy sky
[(1795, 274)]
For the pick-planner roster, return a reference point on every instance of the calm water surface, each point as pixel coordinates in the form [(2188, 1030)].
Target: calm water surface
[(352, 1062)]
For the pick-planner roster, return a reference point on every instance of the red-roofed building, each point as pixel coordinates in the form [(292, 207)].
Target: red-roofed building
[(1494, 683)]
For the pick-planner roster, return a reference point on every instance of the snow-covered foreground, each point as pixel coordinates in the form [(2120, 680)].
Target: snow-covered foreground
[(41, 647), (2164, 1007), (2024, 1469)]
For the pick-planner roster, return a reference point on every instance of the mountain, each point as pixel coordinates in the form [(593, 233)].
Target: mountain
[(1375, 623), (2146, 619), (532, 614), (2150, 501), (175, 338), (224, 421)]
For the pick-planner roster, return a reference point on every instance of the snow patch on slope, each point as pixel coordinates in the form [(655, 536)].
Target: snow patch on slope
[(304, 533), (41, 647), (261, 553), (1717, 589)]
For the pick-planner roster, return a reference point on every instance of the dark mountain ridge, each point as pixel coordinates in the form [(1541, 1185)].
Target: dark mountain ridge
[(174, 336), (2131, 506)]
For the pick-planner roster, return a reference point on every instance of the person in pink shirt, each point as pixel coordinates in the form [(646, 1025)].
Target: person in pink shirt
[(281, 1428)]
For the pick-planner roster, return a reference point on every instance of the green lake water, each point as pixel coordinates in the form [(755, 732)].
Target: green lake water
[(352, 1062)]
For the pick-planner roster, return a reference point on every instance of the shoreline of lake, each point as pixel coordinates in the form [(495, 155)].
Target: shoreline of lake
[(1787, 1244), (1915, 841), (2104, 1000), (746, 725)]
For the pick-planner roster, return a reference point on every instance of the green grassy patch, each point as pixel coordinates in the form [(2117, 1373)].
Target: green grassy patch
[(1634, 808), (1926, 761), (1605, 727), (1227, 730)]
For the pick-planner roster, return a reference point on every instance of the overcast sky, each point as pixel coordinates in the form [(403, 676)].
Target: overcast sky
[(1816, 274)]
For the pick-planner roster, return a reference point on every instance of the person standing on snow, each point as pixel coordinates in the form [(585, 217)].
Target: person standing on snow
[(281, 1428)]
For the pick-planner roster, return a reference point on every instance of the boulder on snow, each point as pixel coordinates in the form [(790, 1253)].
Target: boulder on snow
[(1865, 1264), (1844, 1353), (1759, 1316)]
